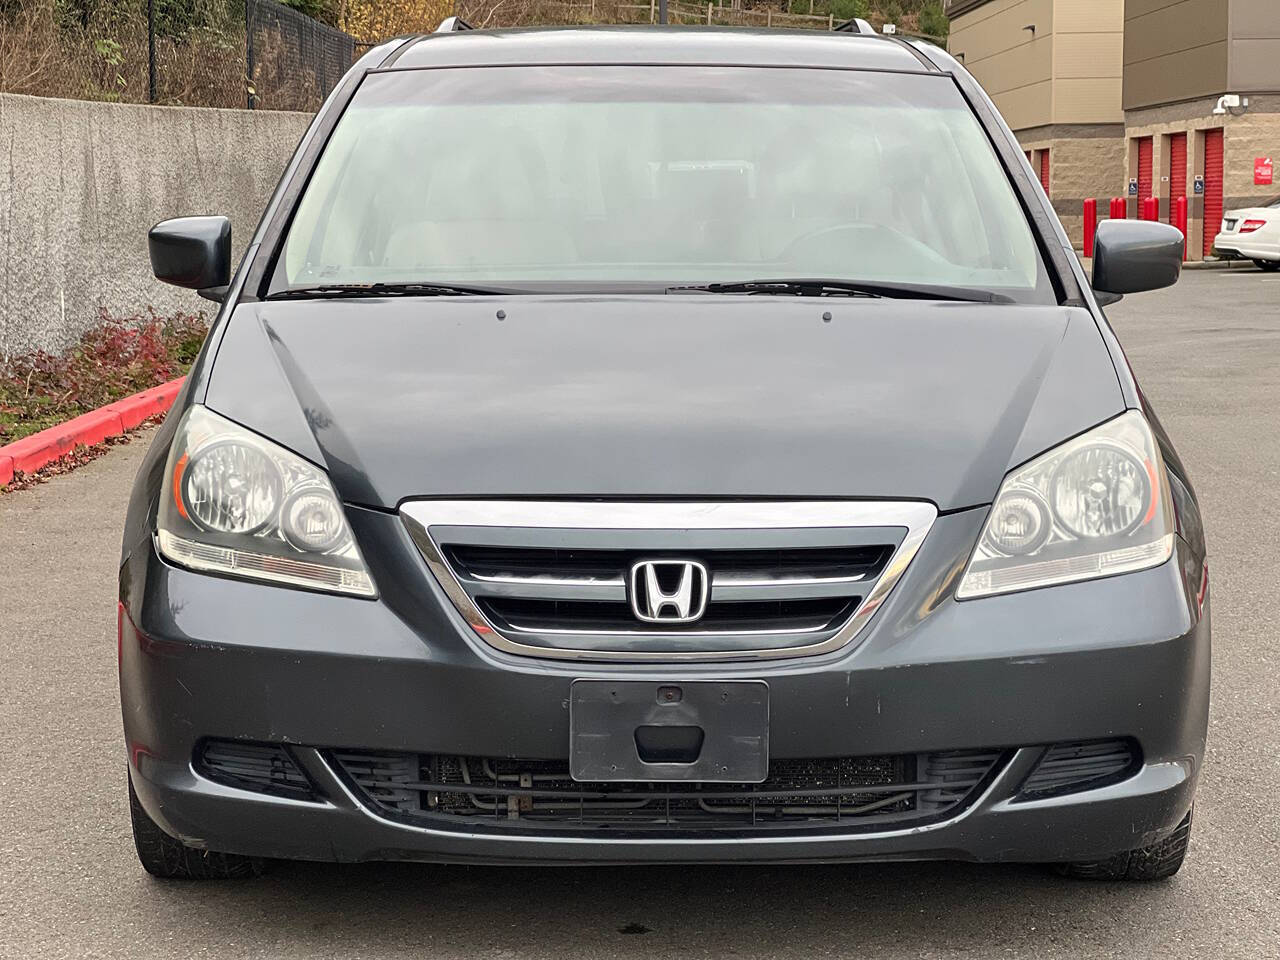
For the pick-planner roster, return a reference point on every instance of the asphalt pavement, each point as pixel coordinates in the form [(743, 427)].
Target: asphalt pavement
[(1208, 355)]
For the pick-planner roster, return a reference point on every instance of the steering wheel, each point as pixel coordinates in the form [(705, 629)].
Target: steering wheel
[(823, 233)]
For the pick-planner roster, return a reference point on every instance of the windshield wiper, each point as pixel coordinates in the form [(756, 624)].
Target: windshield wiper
[(383, 290), (845, 288)]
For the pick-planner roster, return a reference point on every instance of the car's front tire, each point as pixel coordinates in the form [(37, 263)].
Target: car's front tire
[(1270, 266), (163, 856), (1156, 862)]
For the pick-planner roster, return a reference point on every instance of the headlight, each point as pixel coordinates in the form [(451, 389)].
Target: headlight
[(1096, 506), (238, 504)]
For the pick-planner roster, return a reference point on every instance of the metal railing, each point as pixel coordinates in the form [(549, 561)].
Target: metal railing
[(712, 13), (730, 14)]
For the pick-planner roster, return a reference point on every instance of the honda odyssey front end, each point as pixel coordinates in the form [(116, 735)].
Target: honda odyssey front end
[(647, 446)]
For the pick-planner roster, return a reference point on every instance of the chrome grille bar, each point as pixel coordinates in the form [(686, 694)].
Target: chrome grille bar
[(615, 588), (547, 578), (545, 588)]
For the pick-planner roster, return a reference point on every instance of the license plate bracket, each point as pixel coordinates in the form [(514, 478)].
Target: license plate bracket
[(715, 731)]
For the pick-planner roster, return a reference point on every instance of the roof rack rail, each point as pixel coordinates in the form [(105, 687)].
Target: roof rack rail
[(453, 25), (856, 25)]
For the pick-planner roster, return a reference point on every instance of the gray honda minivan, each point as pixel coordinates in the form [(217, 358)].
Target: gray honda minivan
[(664, 446)]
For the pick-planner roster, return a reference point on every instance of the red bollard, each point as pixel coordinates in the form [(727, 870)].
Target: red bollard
[(1152, 211), (1119, 208), (1090, 225), (1180, 221)]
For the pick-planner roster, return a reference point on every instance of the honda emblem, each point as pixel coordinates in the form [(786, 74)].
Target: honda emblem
[(669, 591)]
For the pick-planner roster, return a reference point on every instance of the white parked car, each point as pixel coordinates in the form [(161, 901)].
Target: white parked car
[(1252, 233)]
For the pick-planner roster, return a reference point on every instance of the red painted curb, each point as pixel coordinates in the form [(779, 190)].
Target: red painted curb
[(133, 410), (31, 453)]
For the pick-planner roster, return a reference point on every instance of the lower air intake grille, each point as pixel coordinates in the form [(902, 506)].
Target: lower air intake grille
[(854, 793), (261, 767), (1082, 765)]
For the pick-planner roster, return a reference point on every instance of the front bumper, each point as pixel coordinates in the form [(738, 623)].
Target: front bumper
[(209, 657)]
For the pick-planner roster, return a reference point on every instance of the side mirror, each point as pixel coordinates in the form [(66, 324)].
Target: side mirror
[(1132, 256), (193, 252)]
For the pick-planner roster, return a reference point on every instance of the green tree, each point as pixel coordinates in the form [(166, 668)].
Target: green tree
[(323, 10), (933, 21), (848, 9)]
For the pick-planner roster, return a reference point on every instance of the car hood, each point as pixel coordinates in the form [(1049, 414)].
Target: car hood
[(663, 396)]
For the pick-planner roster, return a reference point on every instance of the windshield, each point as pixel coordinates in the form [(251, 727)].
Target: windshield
[(659, 175)]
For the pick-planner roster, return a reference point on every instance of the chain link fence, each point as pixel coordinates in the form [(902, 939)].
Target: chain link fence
[(207, 53), (292, 58)]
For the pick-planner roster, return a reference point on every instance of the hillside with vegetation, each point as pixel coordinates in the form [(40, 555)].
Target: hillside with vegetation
[(101, 50), (913, 16), (392, 17)]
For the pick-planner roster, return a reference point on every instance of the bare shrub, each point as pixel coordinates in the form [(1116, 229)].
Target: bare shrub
[(38, 55)]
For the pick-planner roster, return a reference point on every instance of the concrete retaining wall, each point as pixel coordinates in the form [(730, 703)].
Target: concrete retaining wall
[(84, 181)]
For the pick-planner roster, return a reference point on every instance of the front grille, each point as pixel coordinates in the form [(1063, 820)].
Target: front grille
[(1083, 765), (854, 793), (550, 590), (261, 767), (560, 578)]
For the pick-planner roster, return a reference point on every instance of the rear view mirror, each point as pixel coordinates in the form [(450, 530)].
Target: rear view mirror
[(193, 252), (1131, 256)]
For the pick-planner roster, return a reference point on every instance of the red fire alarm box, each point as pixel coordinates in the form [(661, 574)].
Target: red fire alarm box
[(1263, 172)]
